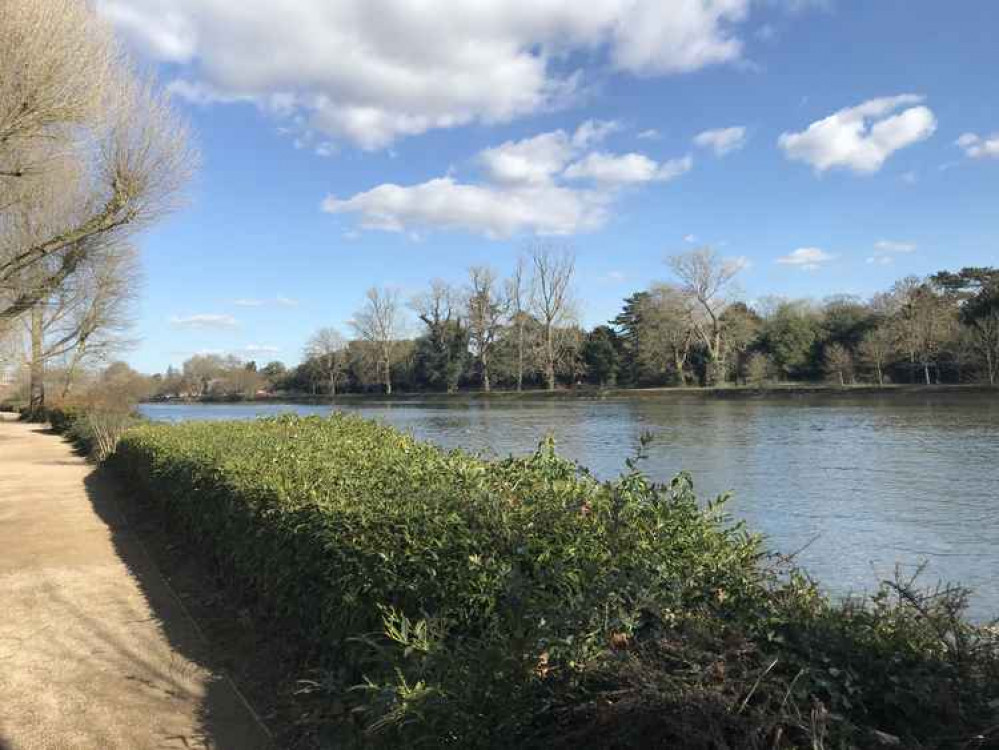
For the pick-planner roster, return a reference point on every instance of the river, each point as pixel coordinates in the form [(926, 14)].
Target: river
[(856, 484)]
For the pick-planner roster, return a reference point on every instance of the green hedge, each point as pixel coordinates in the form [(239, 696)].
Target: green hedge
[(61, 418), (458, 602)]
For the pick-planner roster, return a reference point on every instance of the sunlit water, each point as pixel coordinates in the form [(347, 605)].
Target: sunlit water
[(857, 484)]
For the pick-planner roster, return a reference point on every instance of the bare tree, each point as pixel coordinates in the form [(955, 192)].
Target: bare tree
[(485, 312), (103, 295), (70, 102), (925, 321), (876, 347), (378, 322), (551, 300), (666, 332), (57, 60), (85, 320), (838, 364), (705, 278), (516, 287), (328, 348)]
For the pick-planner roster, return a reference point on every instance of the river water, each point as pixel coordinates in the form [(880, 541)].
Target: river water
[(859, 484)]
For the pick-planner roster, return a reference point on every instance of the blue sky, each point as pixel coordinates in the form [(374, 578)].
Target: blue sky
[(347, 144)]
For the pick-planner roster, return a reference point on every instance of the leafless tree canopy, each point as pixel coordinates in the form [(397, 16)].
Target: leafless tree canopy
[(90, 151), (328, 348), (516, 293), (436, 307), (669, 323), (706, 278), (378, 322), (551, 300), (486, 312), (86, 320)]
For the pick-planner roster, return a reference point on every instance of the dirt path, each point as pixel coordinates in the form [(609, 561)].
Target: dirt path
[(95, 649)]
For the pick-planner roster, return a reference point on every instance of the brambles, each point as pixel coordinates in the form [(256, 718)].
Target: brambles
[(454, 601)]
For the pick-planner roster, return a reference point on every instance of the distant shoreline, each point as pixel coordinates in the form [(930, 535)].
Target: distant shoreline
[(727, 392)]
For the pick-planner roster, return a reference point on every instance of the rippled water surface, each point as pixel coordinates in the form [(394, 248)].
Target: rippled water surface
[(860, 482)]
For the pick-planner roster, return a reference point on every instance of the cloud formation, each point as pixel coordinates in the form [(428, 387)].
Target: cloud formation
[(861, 138), (550, 184), (203, 320), (373, 72), (722, 140), (885, 251), (806, 258), (978, 147), (626, 169)]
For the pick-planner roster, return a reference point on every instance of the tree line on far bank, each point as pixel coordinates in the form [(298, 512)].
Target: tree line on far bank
[(521, 333)]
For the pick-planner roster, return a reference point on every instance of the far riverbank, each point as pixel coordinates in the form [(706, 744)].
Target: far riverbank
[(588, 392)]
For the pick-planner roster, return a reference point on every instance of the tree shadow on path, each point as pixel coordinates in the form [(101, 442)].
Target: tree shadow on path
[(226, 720)]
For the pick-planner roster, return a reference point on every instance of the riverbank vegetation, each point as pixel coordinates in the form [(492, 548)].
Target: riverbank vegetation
[(97, 415), (450, 601), (521, 333)]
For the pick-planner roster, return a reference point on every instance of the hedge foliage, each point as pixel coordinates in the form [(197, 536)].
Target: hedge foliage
[(455, 602), (93, 429)]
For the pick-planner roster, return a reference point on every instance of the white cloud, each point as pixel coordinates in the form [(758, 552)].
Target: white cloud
[(722, 140), (592, 132), (626, 169), (203, 320), (531, 161), (885, 251), (649, 135), (537, 160), (806, 258), (371, 73), (690, 238), (260, 349), (890, 246), (861, 138), (529, 186), (326, 149), (492, 210), (977, 147)]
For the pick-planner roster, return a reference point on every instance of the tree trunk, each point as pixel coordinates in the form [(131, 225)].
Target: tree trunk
[(37, 388), (881, 377), (678, 363), (549, 358), (485, 377), (332, 386), (388, 377), (520, 354), (926, 372)]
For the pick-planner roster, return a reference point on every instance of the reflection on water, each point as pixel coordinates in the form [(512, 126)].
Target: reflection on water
[(862, 482)]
